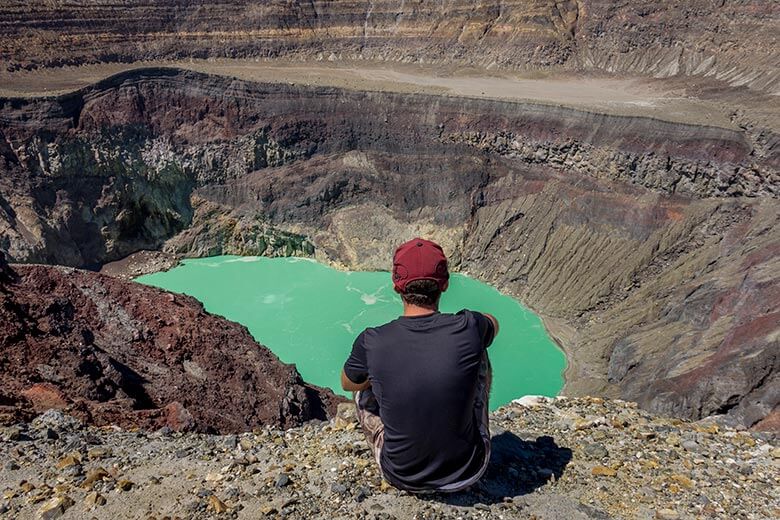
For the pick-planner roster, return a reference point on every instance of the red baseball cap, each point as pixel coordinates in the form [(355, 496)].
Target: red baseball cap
[(419, 259)]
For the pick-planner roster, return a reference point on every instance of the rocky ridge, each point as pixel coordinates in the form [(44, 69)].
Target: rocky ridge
[(116, 352), (564, 458), (732, 41), (585, 217)]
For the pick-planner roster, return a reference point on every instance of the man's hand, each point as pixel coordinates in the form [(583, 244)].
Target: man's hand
[(349, 386), (494, 321)]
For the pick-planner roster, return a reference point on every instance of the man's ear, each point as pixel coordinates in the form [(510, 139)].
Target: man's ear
[(445, 286)]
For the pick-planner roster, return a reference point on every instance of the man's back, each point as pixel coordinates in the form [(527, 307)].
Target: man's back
[(426, 372)]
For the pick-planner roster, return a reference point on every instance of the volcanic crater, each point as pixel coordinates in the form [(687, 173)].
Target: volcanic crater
[(613, 165), (648, 246)]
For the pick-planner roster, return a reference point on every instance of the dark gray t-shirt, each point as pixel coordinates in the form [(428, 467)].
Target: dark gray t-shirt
[(424, 374)]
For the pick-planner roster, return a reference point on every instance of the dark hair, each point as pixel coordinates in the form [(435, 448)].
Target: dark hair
[(423, 293)]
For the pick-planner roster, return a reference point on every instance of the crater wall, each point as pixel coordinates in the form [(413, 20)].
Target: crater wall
[(650, 248), (731, 41)]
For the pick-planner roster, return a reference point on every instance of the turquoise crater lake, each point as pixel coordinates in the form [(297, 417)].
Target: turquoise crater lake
[(309, 314)]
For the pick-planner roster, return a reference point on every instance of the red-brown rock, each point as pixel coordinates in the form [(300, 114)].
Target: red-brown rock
[(45, 396), (116, 352)]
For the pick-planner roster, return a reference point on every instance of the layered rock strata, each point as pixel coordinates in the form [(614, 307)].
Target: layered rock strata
[(731, 41), (649, 247), (116, 352)]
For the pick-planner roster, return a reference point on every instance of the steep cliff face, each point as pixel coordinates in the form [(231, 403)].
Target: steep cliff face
[(101, 194), (115, 352), (674, 301), (731, 41), (111, 168), (650, 247)]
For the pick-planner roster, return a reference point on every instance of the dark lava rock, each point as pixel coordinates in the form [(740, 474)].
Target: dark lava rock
[(116, 352), (7, 273), (338, 488), (49, 434), (282, 480), (595, 450), (362, 494), (231, 442), (5, 269)]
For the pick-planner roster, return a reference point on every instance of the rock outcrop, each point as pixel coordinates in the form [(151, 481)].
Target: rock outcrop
[(730, 41), (116, 352), (649, 247)]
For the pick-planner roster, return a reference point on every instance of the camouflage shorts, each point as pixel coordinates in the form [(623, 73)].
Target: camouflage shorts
[(374, 429)]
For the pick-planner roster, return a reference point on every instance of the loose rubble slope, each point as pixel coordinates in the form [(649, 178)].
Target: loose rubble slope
[(563, 458)]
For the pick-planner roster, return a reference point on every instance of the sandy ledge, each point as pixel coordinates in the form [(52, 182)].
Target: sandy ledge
[(600, 93)]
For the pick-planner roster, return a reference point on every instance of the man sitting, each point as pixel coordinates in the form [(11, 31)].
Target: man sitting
[(422, 381)]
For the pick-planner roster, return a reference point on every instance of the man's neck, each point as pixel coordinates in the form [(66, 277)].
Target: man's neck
[(411, 310)]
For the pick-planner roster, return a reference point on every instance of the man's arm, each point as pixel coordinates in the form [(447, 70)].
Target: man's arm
[(349, 386), (494, 321), (357, 366)]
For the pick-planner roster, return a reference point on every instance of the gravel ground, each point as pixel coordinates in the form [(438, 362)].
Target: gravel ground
[(562, 458)]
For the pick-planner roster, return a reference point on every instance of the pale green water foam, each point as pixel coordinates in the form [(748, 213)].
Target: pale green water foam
[(309, 314)]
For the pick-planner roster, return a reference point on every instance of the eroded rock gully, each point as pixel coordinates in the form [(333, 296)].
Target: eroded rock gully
[(649, 247)]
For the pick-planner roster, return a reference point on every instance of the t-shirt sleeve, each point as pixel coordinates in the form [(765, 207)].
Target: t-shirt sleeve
[(356, 366), (486, 330)]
